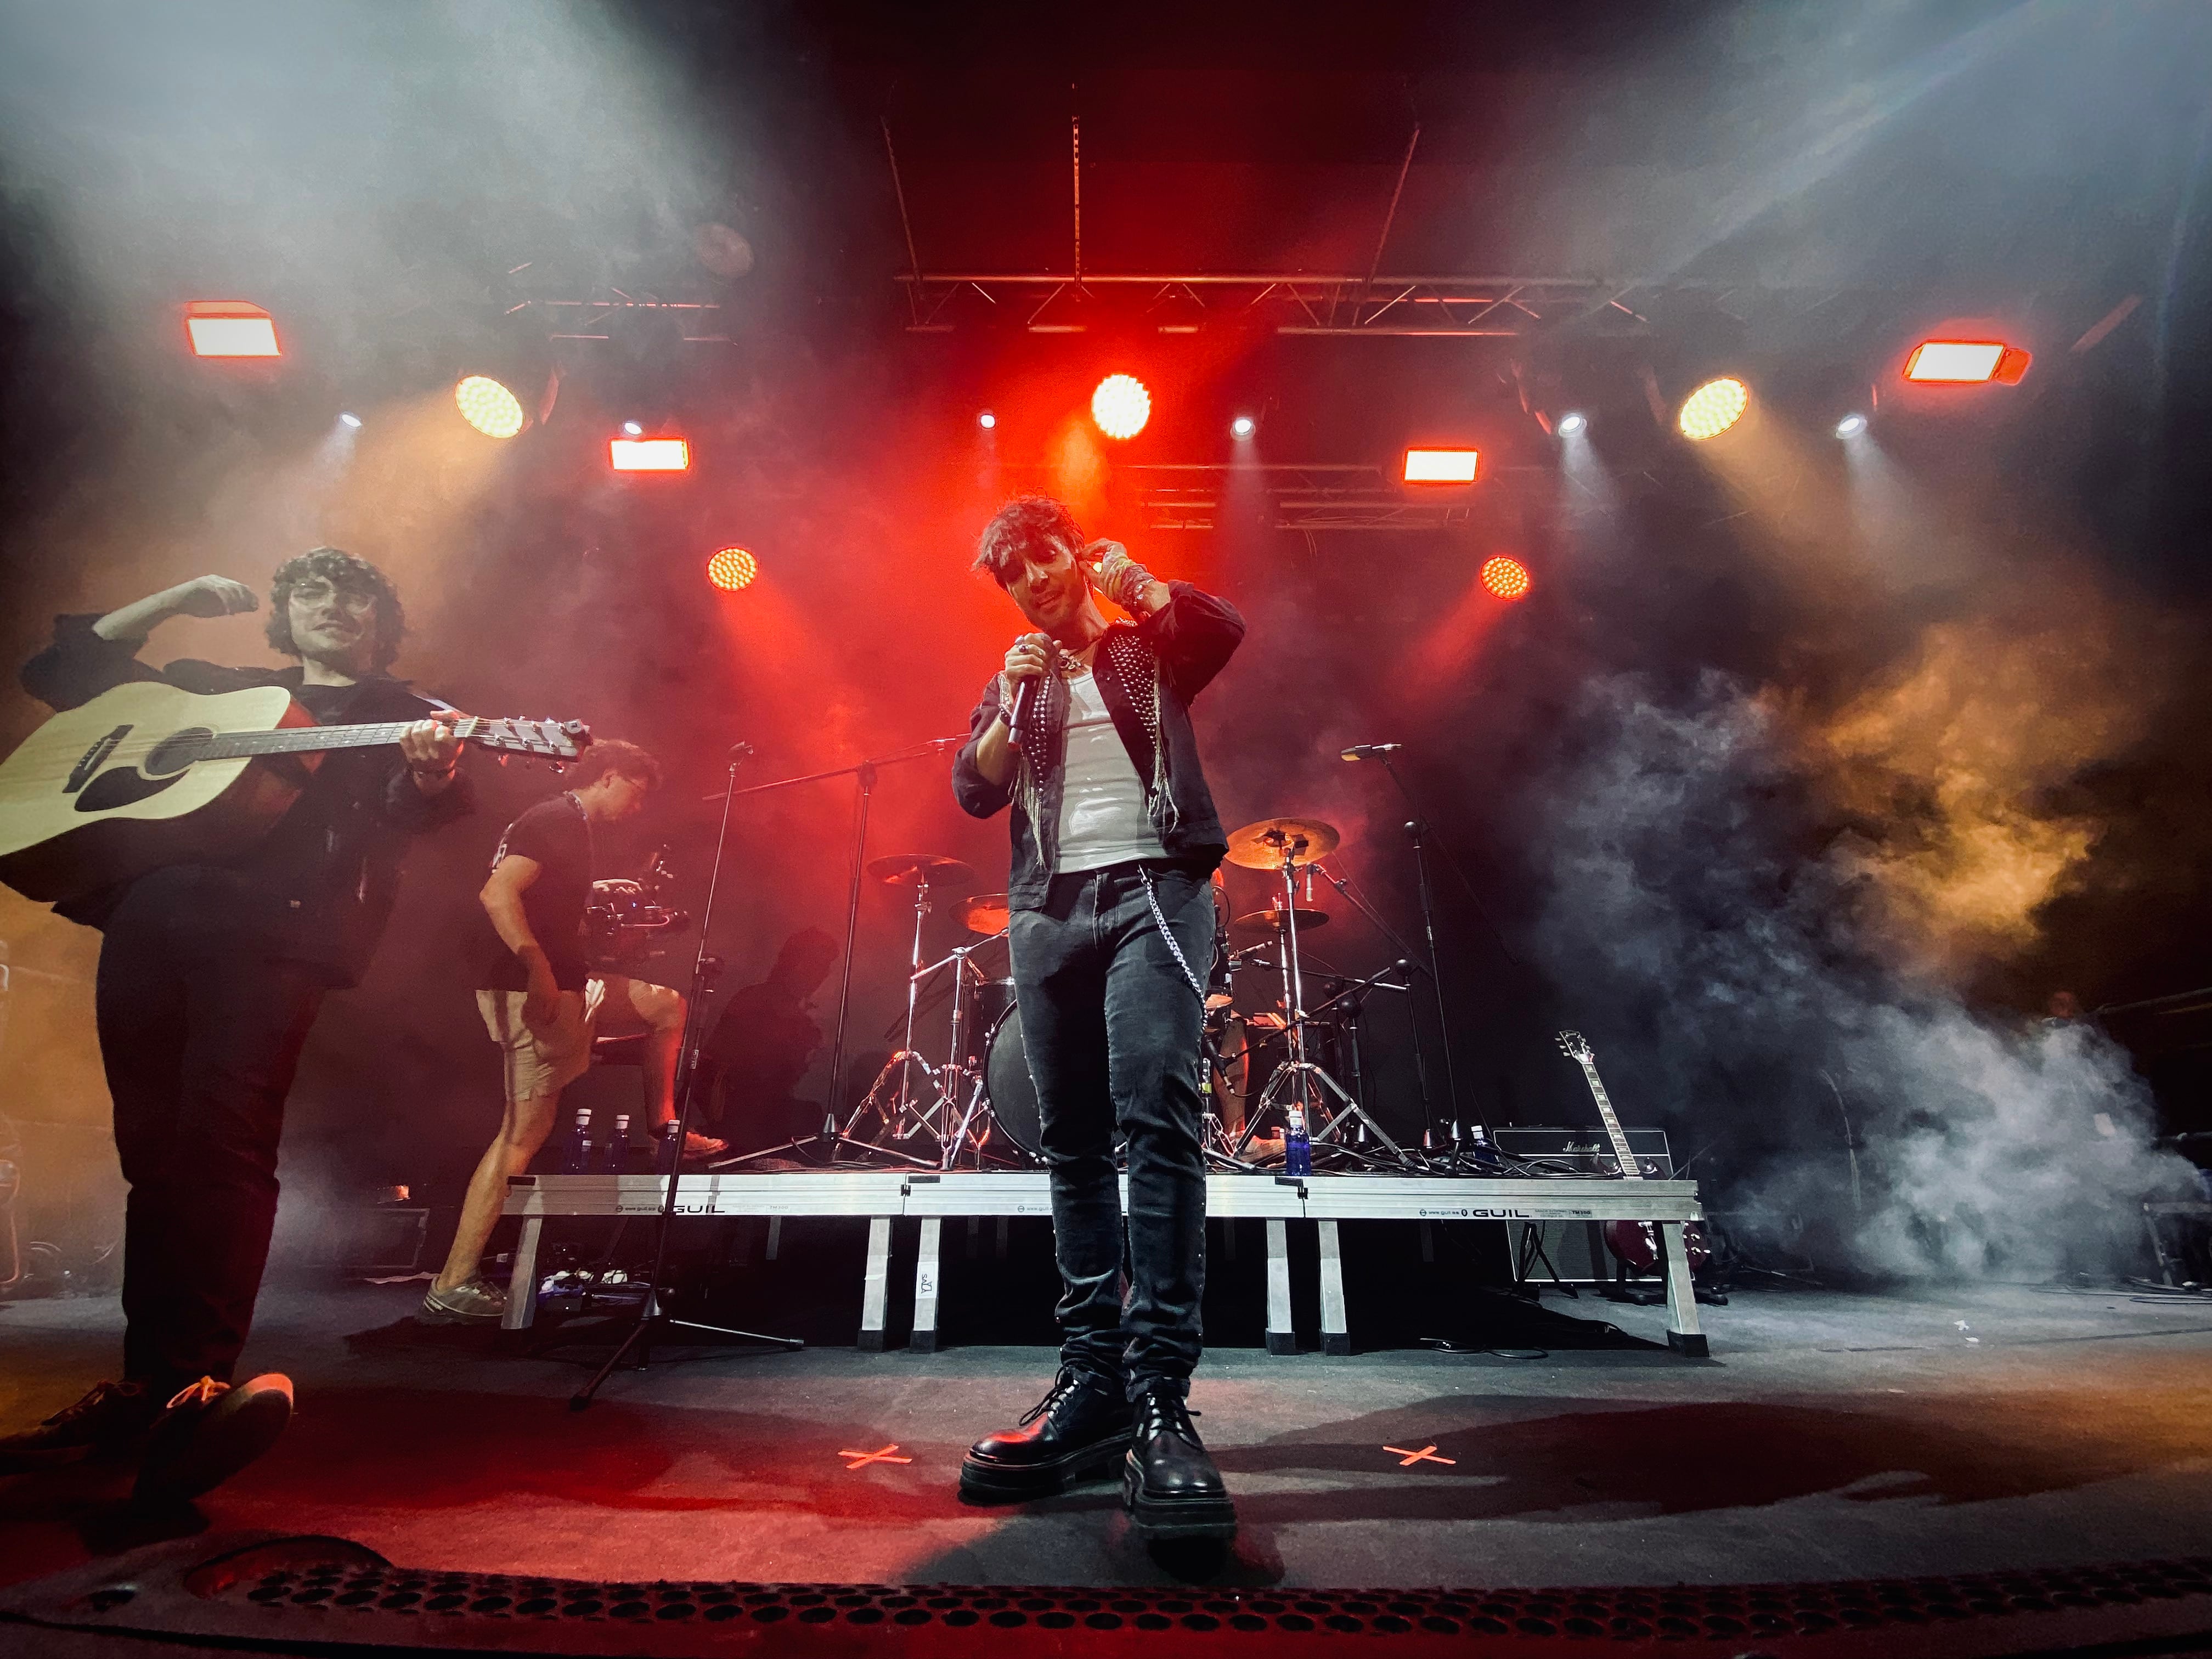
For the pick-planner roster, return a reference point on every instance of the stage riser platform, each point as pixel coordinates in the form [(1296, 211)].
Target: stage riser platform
[(882, 1197)]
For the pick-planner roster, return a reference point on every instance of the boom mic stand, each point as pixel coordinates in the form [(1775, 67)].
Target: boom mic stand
[(1405, 960), (704, 966), (830, 1140)]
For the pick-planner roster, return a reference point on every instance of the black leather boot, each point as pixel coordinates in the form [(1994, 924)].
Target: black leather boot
[(1169, 1485), (1077, 1429)]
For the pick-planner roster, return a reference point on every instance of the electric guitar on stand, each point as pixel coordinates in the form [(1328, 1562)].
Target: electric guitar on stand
[(1636, 1243), (146, 776)]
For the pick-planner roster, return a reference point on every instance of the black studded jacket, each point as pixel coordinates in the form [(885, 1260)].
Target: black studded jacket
[(1147, 672)]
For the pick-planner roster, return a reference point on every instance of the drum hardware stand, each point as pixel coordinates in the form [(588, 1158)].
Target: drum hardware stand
[(1354, 996), (704, 967), (902, 1120), (1405, 959), (825, 1146), (954, 1075), (1313, 1083)]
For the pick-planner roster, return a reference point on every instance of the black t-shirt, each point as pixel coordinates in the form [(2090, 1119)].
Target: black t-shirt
[(558, 837)]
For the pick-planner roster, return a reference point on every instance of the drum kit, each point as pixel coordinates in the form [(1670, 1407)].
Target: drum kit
[(979, 1105)]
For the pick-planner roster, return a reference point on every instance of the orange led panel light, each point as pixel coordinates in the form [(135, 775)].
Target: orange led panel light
[(649, 454), (230, 328), (1966, 362), (732, 568), (1441, 466), (1506, 577)]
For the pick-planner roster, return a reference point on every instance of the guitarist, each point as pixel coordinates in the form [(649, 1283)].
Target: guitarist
[(210, 977)]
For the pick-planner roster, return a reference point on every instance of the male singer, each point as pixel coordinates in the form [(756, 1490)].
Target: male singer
[(1115, 839)]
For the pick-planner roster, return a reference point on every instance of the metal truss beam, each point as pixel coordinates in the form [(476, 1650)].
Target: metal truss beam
[(1344, 304), (1322, 496)]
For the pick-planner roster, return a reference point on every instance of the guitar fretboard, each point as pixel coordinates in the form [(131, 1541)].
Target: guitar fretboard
[(1630, 1169), (305, 739)]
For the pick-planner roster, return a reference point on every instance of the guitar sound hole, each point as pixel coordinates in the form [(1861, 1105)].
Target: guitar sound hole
[(176, 751)]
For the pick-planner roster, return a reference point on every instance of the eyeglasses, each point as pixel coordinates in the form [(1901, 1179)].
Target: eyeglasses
[(355, 601)]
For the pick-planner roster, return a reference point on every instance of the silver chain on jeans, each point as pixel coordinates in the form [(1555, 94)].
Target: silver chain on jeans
[(1168, 933)]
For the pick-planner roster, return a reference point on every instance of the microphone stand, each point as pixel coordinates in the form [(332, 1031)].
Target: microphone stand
[(1419, 829), (830, 1137), (704, 967)]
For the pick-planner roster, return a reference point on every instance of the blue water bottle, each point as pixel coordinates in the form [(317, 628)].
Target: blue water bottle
[(618, 1146), (668, 1150), (1298, 1150), (578, 1160)]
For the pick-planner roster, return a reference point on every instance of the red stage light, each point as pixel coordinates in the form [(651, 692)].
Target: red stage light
[(649, 454), (732, 568), (230, 328), (1509, 578), (1444, 466), (1120, 406), (1966, 362)]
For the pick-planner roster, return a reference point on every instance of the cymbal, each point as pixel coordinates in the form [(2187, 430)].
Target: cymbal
[(1273, 921), (1260, 846), (912, 869), (985, 913)]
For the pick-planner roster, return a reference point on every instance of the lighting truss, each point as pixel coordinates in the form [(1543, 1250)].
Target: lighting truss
[(1331, 496), (1450, 307)]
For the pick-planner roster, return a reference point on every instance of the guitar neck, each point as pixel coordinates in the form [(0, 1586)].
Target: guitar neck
[(1630, 1169), (308, 739)]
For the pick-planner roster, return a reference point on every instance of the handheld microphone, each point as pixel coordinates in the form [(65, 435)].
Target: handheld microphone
[(1018, 717), (739, 751), (1371, 751)]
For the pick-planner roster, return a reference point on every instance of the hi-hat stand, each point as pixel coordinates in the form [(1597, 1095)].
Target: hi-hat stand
[(1297, 1079), (651, 1316)]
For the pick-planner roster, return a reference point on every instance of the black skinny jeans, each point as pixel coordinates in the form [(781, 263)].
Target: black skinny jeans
[(1111, 1027), (200, 1032)]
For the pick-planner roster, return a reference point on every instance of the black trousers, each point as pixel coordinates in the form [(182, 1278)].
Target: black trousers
[(1111, 1025), (200, 1032)]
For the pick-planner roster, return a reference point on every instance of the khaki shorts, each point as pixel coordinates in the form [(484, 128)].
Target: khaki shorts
[(541, 1062)]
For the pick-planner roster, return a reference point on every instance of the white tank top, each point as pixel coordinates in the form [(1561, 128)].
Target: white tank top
[(1102, 801)]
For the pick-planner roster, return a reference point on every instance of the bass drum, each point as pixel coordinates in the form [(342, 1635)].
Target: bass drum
[(1007, 1085), (1012, 1093)]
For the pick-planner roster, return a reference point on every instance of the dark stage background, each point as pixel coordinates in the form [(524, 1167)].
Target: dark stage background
[(1803, 777)]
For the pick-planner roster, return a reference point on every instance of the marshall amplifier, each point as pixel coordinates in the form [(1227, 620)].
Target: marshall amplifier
[(1588, 1151)]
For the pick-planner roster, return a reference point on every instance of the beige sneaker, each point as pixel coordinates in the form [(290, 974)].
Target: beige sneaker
[(473, 1303)]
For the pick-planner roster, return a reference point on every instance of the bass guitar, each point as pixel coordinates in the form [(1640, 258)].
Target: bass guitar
[(146, 776), (1635, 1242)]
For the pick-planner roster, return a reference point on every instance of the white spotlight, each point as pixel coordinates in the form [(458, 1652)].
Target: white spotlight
[(1243, 426), (1570, 424), (631, 429), (1851, 426), (986, 420), (350, 420)]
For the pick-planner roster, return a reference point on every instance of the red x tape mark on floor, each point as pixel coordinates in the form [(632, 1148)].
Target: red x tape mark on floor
[(861, 1459), (1426, 1455)]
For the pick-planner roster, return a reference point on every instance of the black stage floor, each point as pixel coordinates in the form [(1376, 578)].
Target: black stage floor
[(1830, 1437)]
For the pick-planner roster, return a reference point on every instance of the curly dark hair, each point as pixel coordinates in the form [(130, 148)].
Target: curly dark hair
[(343, 571), (1022, 523), (625, 760)]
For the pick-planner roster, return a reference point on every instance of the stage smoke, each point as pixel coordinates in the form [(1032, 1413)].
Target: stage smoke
[(1790, 997)]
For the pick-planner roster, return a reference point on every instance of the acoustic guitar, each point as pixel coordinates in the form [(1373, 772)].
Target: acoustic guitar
[(146, 776)]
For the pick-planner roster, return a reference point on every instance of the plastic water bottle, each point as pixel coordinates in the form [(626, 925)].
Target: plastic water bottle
[(1478, 1148), (1298, 1150), (618, 1148), (579, 1158), (667, 1151)]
